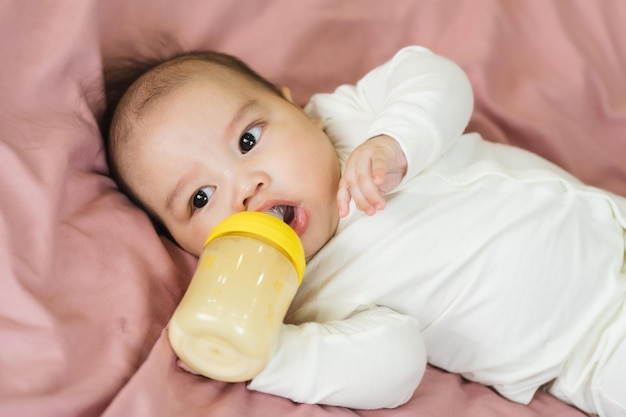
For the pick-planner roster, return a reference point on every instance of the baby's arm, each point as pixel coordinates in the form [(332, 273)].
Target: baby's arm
[(420, 99), (373, 359)]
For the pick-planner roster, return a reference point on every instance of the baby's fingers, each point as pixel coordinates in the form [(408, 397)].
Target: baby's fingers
[(343, 199), (370, 176), (379, 168), (364, 192), (349, 190)]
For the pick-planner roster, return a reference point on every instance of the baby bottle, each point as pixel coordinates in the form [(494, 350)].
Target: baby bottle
[(227, 323)]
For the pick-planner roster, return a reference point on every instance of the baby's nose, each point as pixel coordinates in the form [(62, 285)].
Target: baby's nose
[(249, 196), (249, 189)]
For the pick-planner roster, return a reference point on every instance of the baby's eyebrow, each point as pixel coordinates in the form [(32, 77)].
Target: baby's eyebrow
[(241, 113)]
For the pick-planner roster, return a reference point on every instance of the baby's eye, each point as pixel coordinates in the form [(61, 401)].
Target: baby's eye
[(249, 139), (201, 197)]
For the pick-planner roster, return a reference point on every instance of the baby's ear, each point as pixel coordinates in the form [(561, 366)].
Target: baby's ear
[(286, 93)]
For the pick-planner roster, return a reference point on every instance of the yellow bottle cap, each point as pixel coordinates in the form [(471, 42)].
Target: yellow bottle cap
[(269, 229)]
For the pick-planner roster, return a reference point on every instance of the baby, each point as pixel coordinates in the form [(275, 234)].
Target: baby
[(423, 243)]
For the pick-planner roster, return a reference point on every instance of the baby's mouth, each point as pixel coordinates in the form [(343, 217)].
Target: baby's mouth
[(284, 213)]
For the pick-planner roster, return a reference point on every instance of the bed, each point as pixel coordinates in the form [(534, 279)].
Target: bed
[(88, 285)]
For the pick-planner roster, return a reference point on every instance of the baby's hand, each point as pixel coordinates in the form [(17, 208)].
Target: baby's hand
[(374, 168)]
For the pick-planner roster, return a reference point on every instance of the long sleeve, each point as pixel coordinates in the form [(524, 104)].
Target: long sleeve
[(421, 99), (375, 358)]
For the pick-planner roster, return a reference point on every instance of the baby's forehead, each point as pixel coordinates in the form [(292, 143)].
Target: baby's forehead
[(167, 78)]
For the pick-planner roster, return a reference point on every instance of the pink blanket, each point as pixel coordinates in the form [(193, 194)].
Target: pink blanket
[(87, 286)]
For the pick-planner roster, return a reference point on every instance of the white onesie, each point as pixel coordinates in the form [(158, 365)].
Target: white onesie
[(487, 261)]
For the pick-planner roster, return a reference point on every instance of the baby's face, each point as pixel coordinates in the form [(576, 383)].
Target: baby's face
[(222, 144)]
